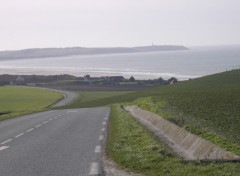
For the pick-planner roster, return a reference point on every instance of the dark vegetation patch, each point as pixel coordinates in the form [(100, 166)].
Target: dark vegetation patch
[(4, 113)]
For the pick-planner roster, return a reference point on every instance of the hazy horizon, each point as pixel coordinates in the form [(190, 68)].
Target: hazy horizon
[(106, 23), (189, 47)]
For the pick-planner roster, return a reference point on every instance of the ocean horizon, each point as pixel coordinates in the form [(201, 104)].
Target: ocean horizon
[(186, 64)]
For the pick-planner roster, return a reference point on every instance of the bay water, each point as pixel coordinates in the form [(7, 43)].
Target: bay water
[(192, 63)]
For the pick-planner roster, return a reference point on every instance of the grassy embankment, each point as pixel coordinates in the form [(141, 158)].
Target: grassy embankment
[(134, 148), (210, 103), (15, 101), (208, 107)]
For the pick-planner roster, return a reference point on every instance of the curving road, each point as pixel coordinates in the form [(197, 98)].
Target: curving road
[(68, 97), (54, 143)]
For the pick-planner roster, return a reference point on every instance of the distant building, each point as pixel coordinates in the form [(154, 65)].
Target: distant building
[(132, 79), (20, 80), (172, 80), (115, 78), (87, 79)]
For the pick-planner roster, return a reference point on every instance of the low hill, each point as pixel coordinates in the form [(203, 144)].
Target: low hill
[(209, 103), (207, 107), (58, 52)]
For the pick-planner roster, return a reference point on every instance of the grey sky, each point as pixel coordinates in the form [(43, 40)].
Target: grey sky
[(61, 23)]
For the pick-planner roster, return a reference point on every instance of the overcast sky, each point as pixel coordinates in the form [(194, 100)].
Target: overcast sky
[(93, 23)]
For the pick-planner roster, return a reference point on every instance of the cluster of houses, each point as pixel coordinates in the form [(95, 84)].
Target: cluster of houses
[(117, 79), (18, 81), (87, 79)]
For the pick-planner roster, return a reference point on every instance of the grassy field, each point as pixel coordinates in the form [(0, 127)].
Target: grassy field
[(211, 103), (208, 107), (96, 98), (15, 101), (135, 149)]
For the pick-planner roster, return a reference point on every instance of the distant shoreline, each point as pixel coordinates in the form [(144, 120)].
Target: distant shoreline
[(71, 51)]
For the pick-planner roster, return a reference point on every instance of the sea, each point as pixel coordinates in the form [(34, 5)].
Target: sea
[(183, 65)]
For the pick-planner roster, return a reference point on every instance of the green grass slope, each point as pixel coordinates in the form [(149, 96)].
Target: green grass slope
[(16, 101), (136, 149), (210, 104), (96, 98), (208, 107)]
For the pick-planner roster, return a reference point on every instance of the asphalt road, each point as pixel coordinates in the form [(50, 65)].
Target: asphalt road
[(53, 143), (68, 98)]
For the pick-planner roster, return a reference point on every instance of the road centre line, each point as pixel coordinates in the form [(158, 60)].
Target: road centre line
[(45, 122), (72, 111), (98, 149), (57, 116), (29, 130), (94, 169), (100, 137), (38, 125), (6, 141), (3, 147), (19, 135)]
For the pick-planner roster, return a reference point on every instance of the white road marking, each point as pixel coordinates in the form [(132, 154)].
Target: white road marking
[(6, 141), (98, 149), (101, 137), (103, 129), (3, 147), (45, 122), (19, 135), (105, 118), (50, 119), (38, 125), (104, 123), (94, 169), (57, 116), (29, 130), (72, 111)]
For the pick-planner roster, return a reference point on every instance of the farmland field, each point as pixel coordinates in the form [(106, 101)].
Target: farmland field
[(208, 107), (210, 103), (96, 98), (16, 101)]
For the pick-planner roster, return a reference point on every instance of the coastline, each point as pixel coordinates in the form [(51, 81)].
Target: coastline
[(95, 73)]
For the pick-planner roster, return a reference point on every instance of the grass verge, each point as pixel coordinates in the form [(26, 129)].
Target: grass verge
[(161, 108), (136, 149)]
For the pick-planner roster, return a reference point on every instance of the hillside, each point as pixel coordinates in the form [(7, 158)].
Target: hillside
[(209, 103), (207, 107), (58, 52)]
